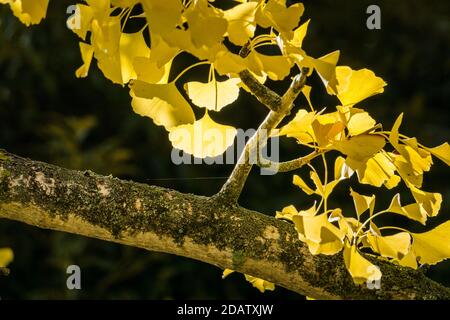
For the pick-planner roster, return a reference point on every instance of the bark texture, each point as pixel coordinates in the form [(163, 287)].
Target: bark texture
[(201, 228)]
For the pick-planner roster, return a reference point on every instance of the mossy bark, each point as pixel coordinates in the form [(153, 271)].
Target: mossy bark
[(205, 229)]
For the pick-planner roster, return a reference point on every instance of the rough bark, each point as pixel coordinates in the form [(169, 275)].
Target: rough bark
[(201, 228)]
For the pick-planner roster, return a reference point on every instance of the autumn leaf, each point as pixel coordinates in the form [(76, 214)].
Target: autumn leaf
[(203, 138), (362, 203), (260, 284), (413, 211), (213, 95), (433, 246), (6, 257), (395, 246), (319, 233), (241, 22), (163, 103), (360, 148), (359, 267), (28, 11), (355, 86)]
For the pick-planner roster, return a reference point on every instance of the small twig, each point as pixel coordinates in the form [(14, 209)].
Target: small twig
[(264, 95), (291, 165)]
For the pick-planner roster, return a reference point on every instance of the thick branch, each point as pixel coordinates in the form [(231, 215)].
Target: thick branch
[(159, 219)]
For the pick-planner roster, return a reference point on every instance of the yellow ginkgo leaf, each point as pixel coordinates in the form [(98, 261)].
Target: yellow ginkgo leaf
[(287, 213), (418, 159), (325, 132), (361, 269), (326, 68), (6, 257), (357, 85), (409, 260), (394, 134), (200, 14), (28, 11), (323, 190), (299, 35), (163, 16), (132, 45), (348, 225), (80, 21), (204, 138), (429, 201), (396, 246), (321, 236), (433, 246), (283, 19), (405, 170), (300, 127), (441, 152), (359, 123), (307, 93), (87, 52), (161, 52), (299, 182), (213, 95), (148, 71), (163, 103), (290, 211), (260, 284), (362, 203), (341, 169), (276, 67), (226, 62), (116, 51), (241, 22), (376, 171), (413, 211), (226, 273), (360, 148)]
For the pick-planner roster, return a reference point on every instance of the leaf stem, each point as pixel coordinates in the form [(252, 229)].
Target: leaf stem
[(368, 220), (189, 68)]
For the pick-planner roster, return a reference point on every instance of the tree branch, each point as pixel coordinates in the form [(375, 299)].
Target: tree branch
[(232, 189), (201, 228), (291, 165), (264, 95)]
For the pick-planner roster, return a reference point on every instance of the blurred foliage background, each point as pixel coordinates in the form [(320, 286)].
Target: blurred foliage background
[(49, 115)]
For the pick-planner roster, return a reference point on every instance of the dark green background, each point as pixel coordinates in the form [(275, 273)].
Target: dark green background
[(47, 114)]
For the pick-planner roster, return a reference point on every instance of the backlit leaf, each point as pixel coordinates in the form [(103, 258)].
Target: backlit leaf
[(360, 148), (163, 103), (357, 85), (213, 95), (396, 246), (413, 211), (204, 138), (6, 257), (359, 267), (433, 246), (260, 284)]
